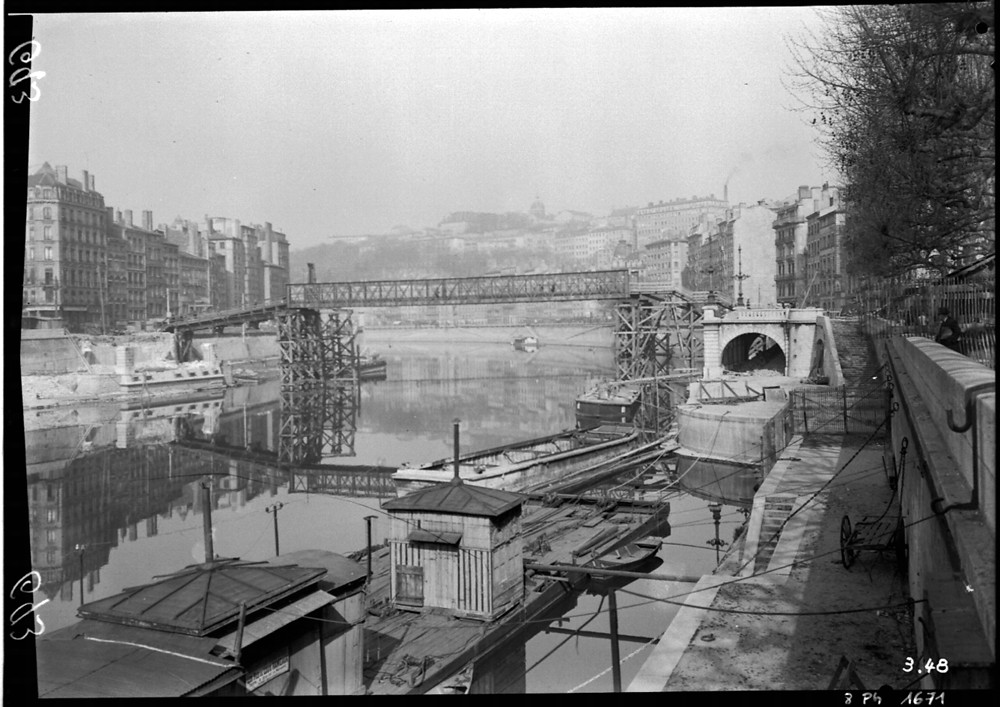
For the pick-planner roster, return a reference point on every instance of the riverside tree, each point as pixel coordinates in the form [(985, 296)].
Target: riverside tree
[(904, 97)]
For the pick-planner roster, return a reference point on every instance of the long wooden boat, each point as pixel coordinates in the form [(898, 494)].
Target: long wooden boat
[(614, 402), (515, 467), (372, 368)]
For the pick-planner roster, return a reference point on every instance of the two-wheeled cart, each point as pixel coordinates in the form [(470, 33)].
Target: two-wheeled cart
[(872, 534)]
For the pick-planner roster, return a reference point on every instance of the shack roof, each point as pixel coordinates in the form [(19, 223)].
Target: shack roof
[(341, 572), (202, 598), (95, 659), (457, 498)]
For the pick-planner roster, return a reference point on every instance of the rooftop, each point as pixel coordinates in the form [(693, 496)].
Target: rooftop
[(458, 498)]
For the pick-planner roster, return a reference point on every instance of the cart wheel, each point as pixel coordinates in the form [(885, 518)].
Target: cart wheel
[(846, 552)]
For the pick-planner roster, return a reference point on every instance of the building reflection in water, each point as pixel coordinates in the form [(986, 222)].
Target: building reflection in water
[(93, 484)]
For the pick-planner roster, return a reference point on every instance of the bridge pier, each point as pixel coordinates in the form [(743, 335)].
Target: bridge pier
[(319, 385), (651, 333)]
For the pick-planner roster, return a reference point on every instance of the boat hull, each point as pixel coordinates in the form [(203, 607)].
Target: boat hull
[(517, 476)]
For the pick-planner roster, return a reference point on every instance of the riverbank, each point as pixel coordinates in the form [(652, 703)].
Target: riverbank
[(781, 611)]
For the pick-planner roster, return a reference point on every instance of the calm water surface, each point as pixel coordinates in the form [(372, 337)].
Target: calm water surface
[(122, 485)]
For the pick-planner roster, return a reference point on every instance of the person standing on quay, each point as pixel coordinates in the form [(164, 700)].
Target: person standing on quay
[(949, 331)]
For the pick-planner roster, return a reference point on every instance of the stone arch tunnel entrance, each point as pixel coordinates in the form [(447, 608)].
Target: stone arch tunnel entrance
[(753, 352)]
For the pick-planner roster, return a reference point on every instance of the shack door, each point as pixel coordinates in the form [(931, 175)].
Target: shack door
[(410, 585)]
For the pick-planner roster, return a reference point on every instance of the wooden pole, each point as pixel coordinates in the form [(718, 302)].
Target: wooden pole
[(368, 524), (455, 423), (206, 504), (616, 663), (239, 630)]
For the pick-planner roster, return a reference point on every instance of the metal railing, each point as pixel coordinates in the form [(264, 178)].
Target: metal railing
[(909, 307)]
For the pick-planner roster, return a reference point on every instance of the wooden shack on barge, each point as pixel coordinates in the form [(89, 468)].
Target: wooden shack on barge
[(456, 547)]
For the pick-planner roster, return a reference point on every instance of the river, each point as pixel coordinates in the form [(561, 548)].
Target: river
[(119, 494)]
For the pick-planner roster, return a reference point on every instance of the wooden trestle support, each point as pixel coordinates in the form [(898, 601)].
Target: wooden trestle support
[(319, 385), (653, 334)]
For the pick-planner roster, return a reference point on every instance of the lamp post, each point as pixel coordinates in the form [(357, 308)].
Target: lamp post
[(274, 508), (716, 509), (80, 548), (740, 277)]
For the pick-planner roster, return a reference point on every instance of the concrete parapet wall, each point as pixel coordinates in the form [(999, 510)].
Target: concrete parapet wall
[(947, 487)]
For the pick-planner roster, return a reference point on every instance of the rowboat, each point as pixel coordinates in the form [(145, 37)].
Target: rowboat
[(515, 467), (525, 343), (629, 556)]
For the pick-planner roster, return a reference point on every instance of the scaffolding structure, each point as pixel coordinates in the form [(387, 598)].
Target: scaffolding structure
[(319, 385), (653, 333)]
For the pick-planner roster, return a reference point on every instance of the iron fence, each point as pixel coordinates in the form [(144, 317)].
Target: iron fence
[(839, 411), (908, 307)]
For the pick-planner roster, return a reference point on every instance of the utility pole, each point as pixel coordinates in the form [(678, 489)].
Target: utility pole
[(616, 663), (274, 509)]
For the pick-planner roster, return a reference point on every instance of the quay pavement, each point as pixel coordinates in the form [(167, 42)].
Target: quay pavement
[(782, 612)]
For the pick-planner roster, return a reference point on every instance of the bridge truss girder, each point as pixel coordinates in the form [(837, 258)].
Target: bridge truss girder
[(360, 484), (551, 287)]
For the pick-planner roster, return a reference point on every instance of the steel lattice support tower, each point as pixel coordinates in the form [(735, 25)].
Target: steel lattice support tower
[(319, 385), (653, 332)]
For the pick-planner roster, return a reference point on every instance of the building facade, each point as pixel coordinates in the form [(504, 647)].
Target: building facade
[(675, 217), (65, 249), (91, 268), (825, 261), (790, 236)]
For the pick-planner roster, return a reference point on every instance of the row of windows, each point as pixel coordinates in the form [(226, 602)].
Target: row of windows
[(46, 213)]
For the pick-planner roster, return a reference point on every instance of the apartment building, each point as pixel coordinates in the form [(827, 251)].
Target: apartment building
[(65, 262), (675, 217)]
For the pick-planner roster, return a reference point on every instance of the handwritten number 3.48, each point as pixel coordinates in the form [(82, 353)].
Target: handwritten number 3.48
[(28, 584), (24, 73)]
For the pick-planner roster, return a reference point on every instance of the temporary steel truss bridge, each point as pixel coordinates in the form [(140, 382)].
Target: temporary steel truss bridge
[(602, 284)]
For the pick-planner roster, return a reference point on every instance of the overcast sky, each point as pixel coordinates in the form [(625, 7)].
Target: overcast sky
[(354, 122)]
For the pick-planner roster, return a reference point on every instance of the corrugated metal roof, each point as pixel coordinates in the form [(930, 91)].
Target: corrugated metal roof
[(201, 598), (272, 621), (458, 498), (85, 667)]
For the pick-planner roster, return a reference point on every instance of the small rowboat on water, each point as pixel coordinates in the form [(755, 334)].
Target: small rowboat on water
[(629, 556)]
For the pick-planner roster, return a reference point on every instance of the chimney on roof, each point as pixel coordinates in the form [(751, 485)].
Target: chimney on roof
[(86, 180), (147, 220), (91, 186), (62, 174), (804, 192), (128, 217), (118, 216), (111, 213)]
